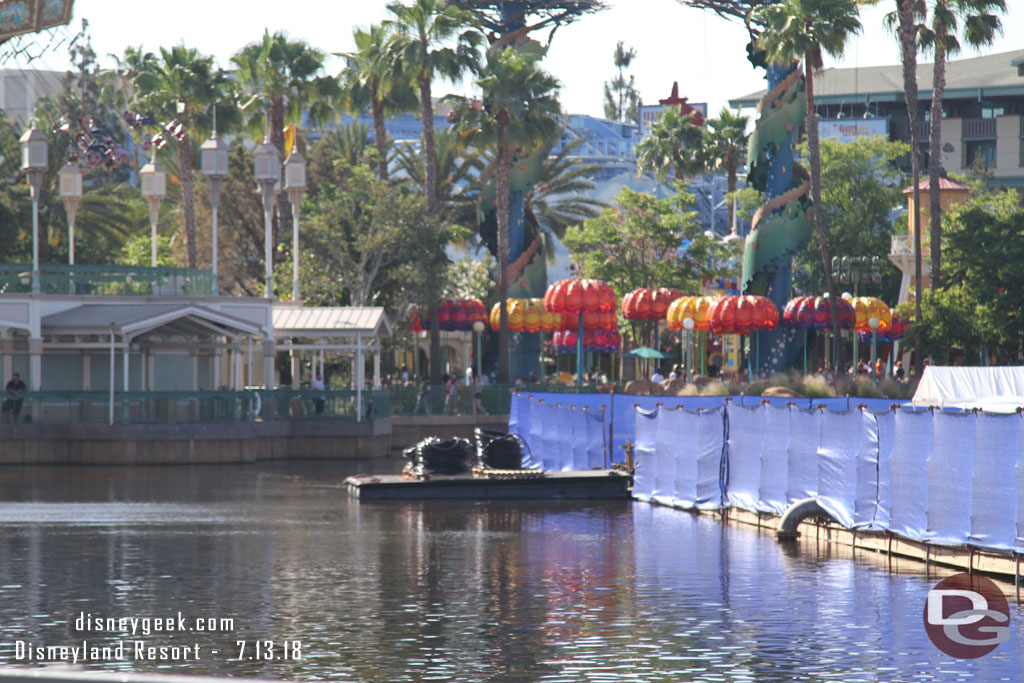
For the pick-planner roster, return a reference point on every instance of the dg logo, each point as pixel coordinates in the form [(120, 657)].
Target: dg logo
[(967, 616)]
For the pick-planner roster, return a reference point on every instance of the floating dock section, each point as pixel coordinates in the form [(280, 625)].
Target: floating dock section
[(588, 484)]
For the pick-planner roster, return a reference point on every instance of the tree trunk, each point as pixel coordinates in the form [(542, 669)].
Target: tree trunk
[(814, 154), (435, 343), (380, 133), (187, 197), (284, 207), (908, 48), (731, 187), (503, 255), (935, 149), (429, 160)]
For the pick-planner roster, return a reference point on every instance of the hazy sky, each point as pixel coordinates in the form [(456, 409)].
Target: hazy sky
[(674, 43)]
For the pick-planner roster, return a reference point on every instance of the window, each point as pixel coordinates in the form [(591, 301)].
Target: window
[(992, 112), (986, 149)]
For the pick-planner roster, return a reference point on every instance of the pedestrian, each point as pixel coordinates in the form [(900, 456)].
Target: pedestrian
[(451, 400), (14, 389), (657, 377), (879, 369), (422, 403), (318, 385), (405, 374), (900, 375), (478, 397)]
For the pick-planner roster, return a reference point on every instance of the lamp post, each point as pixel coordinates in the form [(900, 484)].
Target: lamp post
[(687, 326), (35, 158), (214, 155), (71, 194), (295, 186), (873, 323), (268, 173), (478, 328), (154, 188)]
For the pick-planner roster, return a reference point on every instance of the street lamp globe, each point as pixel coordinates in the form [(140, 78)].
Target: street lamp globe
[(267, 163), (688, 324), (295, 174), (153, 179), (873, 323), (478, 327)]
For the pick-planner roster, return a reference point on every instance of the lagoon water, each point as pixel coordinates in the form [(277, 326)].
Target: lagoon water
[(437, 591)]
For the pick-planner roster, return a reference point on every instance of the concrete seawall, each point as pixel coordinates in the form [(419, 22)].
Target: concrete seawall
[(192, 444)]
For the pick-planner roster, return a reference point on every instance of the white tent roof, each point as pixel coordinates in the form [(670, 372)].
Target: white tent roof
[(995, 390), (328, 322)]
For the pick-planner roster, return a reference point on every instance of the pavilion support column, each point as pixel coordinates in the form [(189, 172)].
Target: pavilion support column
[(249, 380), (86, 371), (358, 376), (125, 365), (35, 351), (296, 359), (6, 356), (150, 371), (376, 366), (193, 357), (215, 382), (269, 381)]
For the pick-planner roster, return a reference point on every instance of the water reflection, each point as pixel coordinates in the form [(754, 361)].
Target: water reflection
[(437, 590)]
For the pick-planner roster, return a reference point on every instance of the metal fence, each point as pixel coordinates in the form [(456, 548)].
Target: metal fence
[(486, 399), (99, 280), (183, 407)]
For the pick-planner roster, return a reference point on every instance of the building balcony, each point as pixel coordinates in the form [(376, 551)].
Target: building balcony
[(903, 245), (978, 129), (101, 280)]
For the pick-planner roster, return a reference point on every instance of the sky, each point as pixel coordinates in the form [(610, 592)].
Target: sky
[(704, 53)]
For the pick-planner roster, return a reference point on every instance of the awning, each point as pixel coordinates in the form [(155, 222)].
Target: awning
[(335, 322), (132, 320)]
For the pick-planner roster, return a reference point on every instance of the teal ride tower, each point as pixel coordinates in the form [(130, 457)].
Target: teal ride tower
[(783, 226)]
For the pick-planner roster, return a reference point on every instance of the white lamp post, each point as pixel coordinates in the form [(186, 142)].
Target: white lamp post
[(295, 186), (873, 323), (687, 326), (35, 159), (154, 188), (71, 194), (268, 173), (214, 155)]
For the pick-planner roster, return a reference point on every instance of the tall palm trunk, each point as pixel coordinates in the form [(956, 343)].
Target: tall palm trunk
[(935, 145), (429, 155), (380, 133), (187, 197), (730, 170), (503, 161), (429, 174), (908, 46), (814, 153)]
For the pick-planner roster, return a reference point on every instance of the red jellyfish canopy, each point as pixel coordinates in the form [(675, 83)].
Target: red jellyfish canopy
[(648, 303), (742, 315), (816, 312), (571, 297)]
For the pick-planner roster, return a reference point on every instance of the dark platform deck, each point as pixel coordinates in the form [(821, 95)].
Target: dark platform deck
[(588, 484)]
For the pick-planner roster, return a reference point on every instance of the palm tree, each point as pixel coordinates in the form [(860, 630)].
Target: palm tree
[(458, 172), (559, 200), (673, 145), (519, 111), (420, 28), (621, 99), (908, 30), (182, 85), (286, 77), (725, 147), (981, 24), (374, 80), (801, 30)]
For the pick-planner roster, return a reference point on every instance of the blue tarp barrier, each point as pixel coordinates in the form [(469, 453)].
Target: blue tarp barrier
[(869, 475), (710, 457), (774, 458), (577, 448), (645, 471), (685, 435), (666, 453), (802, 449), (912, 442), (837, 464), (950, 469), (596, 438), (743, 480), (884, 429), (994, 503)]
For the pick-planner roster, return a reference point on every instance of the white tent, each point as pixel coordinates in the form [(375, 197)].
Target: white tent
[(995, 389)]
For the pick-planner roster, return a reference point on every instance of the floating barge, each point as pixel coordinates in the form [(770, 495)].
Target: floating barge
[(578, 485)]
